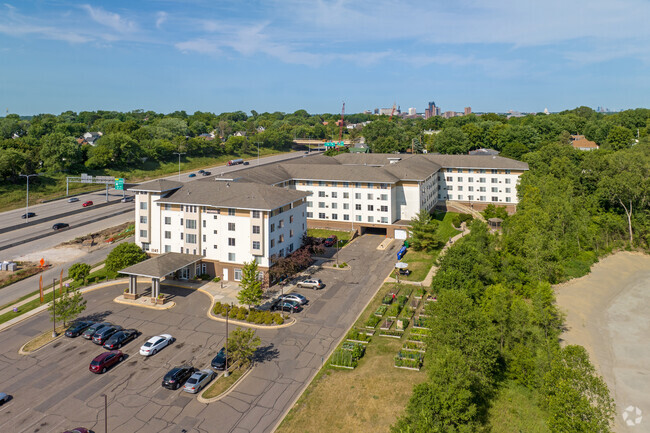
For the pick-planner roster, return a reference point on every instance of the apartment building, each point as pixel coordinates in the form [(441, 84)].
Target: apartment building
[(228, 223)]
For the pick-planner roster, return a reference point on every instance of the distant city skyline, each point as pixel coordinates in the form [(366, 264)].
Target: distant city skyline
[(200, 55)]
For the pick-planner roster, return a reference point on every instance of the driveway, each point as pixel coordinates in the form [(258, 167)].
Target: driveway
[(52, 389)]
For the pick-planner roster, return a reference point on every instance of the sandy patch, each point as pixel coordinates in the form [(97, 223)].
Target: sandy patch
[(608, 312), (55, 256)]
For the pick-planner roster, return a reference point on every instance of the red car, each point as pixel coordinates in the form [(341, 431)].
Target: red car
[(105, 361), (330, 241), (87, 203)]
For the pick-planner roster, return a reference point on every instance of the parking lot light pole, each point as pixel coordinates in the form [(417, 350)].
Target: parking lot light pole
[(54, 307), (105, 413), (179, 163), (258, 152), (27, 201), (226, 373)]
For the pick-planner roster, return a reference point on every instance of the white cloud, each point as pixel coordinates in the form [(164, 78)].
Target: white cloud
[(202, 46), (110, 19), (15, 24), (161, 17)]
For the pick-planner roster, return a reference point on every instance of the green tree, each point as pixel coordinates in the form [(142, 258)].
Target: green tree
[(422, 232), (68, 306), (251, 287), (242, 344), (452, 140), (620, 137), (123, 256), (577, 398), (79, 272)]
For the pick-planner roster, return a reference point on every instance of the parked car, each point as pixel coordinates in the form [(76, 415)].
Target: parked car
[(73, 199), (177, 376), (206, 173), (127, 198), (294, 297), (154, 344), (78, 430), (105, 333), (28, 215), (192, 175), (330, 241), (198, 380), (3, 398), (120, 338), (311, 284), (76, 328), (88, 333), (60, 226), (106, 360), (284, 305), (219, 361), (87, 203)]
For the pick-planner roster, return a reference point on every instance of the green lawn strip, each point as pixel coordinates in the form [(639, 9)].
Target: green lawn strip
[(53, 185), (445, 229), (514, 409), (419, 263), (222, 384), (344, 237)]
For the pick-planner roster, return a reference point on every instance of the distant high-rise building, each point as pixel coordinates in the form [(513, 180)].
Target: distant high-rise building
[(412, 111), (468, 110), (432, 110)]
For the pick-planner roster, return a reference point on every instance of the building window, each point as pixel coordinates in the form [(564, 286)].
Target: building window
[(238, 275), (145, 246), (334, 195), (190, 238), (369, 196), (460, 178), (181, 236), (450, 188), (168, 220), (272, 228), (309, 204), (357, 184), (449, 196), (357, 206), (460, 170), (168, 235), (310, 214), (280, 239), (256, 245), (508, 199), (495, 198), (321, 193), (321, 216), (214, 217), (371, 185), (204, 238), (143, 220), (470, 198), (449, 179), (335, 184), (384, 208), (508, 180), (256, 230), (231, 242), (494, 180), (470, 188), (358, 218), (371, 219), (335, 216), (231, 212), (346, 195), (346, 206), (482, 180), (370, 207), (449, 170), (309, 183), (334, 206), (322, 183), (190, 224), (231, 227), (357, 196), (384, 197), (384, 220), (495, 189), (272, 243), (346, 185), (460, 187), (168, 248), (383, 185), (346, 217), (290, 219), (143, 233), (494, 171), (256, 214), (181, 222), (167, 206), (321, 204), (470, 179), (143, 205), (231, 257), (482, 189), (460, 197), (204, 223), (482, 198), (508, 190)]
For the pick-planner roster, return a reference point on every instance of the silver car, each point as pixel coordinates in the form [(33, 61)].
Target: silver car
[(3, 398), (198, 380), (294, 297), (311, 284)]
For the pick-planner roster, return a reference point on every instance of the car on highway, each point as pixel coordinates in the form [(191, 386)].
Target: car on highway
[(105, 333), (120, 338), (87, 203), (78, 430), (3, 398), (60, 226), (245, 162), (73, 199), (177, 376), (311, 284), (198, 380), (88, 333), (294, 297), (154, 344), (126, 199), (76, 328), (191, 175), (28, 215), (206, 173), (201, 171), (284, 305), (106, 360), (219, 361), (330, 241)]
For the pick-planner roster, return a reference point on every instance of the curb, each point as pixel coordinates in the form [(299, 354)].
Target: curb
[(170, 304), (200, 399), (21, 351)]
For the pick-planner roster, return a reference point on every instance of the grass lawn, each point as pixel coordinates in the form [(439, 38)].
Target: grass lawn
[(366, 399), (514, 410), (343, 237), (52, 185), (445, 229), (222, 383)]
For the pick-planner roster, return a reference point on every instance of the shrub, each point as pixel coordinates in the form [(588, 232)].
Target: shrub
[(216, 279), (372, 321), (217, 308), (205, 277), (388, 299), (278, 319), (242, 314), (268, 319)]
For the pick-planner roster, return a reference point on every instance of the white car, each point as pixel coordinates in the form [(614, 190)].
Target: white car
[(154, 344), (198, 380)]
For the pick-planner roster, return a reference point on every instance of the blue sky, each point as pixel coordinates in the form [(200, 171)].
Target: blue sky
[(223, 55)]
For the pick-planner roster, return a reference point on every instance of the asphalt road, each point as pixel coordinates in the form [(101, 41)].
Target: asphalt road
[(52, 389)]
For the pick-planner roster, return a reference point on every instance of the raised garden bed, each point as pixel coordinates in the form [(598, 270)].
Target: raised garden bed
[(381, 310), (343, 359), (413, 305), (409, 360), (419, 323), (394, 310), (432, 298), (358, 336), (372, 322), (387, 300), (417, 337), (386, 325), (419, 293), (402, 324), (391, 333), (416, 346)]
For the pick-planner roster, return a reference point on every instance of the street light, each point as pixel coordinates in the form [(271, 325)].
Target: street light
[(179, 163), (54, 307), (27, 201), (226, 373), (258, 152)]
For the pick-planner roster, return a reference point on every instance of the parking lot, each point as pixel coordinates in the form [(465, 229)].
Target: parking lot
[(53, 390)]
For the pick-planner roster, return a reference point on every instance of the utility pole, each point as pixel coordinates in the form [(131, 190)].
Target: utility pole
[(54, 307), (226, 373), (179, 163), (27, 201), (258, 152)]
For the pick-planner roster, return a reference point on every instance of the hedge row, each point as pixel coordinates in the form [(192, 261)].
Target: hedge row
[(252, 316)]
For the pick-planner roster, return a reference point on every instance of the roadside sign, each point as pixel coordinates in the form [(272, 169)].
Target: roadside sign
[(119, 183)]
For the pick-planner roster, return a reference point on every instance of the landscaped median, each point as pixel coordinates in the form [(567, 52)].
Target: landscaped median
[(252, 318), (223, 385), (41, 340)]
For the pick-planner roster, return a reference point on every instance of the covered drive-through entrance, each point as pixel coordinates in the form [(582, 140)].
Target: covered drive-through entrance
[(158, 268)]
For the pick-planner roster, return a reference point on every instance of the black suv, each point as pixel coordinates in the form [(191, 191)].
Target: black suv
[(77, 328), (103, 334), (177, 376)]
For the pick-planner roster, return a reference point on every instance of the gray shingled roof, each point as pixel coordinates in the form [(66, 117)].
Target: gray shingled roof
[(343, 173), (477, 161), (159, 266), (158, 185), (414, 168), (239, 195)]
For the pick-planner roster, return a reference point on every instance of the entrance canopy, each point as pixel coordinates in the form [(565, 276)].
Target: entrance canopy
[(156, 268)]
